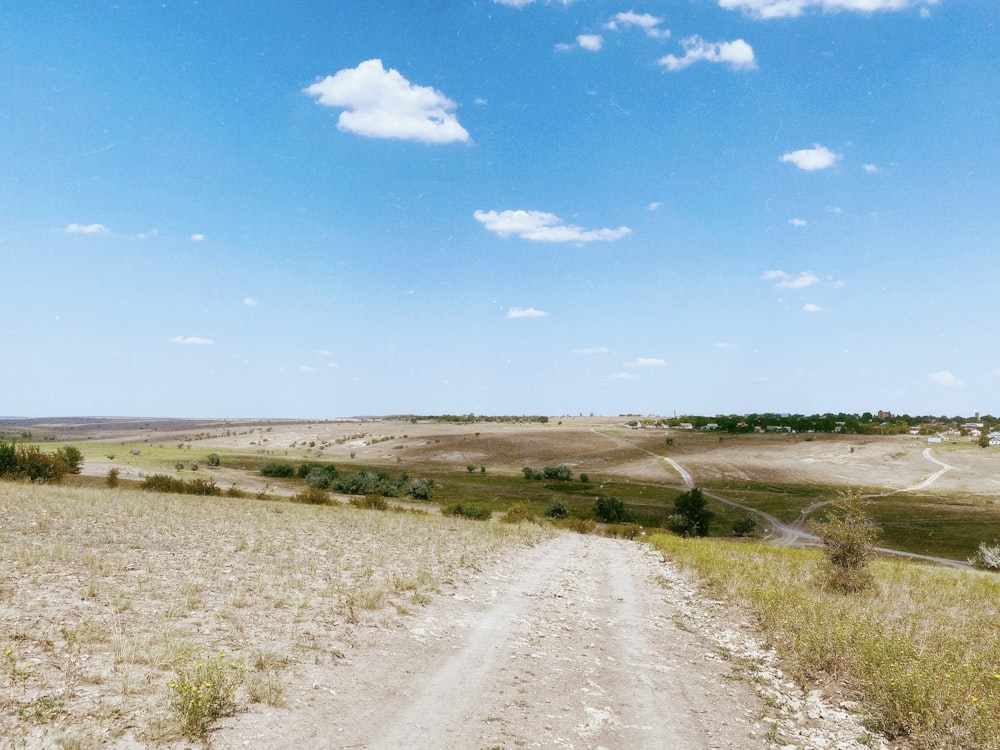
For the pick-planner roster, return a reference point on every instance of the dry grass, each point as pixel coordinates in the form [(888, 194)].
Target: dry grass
[(107, 597), (920, 652)]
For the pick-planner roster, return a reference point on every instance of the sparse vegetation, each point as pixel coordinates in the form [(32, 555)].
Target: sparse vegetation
[(204, 692), (848, 537), (612, 510), (920, 652)]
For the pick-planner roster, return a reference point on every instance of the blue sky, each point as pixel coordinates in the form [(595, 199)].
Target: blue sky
[(322, 209)]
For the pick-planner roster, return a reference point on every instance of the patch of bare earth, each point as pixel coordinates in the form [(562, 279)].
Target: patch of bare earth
[(580, 642)]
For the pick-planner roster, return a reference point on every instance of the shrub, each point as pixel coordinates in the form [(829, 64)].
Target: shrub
[(204, 693), (213, 460), (468, 510), (558, 473), (517, 513), (71, 456), (986, 557), (164, 483), (420, 489), (313, 496), (745, 526), (579, 525), (612, 510), (281, 471), (556, 509), (848, 537), (371, 502), (622, 530), (112, 478), (585, 478)]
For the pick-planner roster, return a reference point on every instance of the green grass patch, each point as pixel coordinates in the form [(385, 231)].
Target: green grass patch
[(921, 652)]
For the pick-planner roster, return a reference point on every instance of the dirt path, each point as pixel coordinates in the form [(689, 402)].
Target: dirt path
[(582, 642)]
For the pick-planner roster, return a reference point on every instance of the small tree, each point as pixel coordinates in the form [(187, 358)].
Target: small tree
[(691, 516), (556, 509), (213, 459), (420, 489), (848, 537), (612, 510), (745, 526)]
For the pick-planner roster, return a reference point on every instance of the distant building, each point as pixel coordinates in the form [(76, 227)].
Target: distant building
[(884, 414)]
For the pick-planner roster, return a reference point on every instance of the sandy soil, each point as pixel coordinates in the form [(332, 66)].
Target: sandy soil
[(581, 642)]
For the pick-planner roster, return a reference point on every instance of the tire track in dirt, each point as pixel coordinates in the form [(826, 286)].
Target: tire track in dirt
[(578, 643)]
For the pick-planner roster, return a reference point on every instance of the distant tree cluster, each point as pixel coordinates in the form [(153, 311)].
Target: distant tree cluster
[(32, 463), (858, 424), (473, 418), (328, 477), (551, 473)]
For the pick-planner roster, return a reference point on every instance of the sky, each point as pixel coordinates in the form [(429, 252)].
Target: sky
[(329, 209)]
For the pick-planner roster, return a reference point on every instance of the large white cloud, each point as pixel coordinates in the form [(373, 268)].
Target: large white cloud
[(811, 159), (381, 103), (793, 8), (737, 54), (540, 226)]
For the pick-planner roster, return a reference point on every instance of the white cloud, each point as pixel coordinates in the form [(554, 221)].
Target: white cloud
[(383, 104), (539, 226), (798, 222), (198, 237), (726, 345), (646, 362), (514, 3), (592, 350), (945, 378), (793, 8), (307, 368), (86, 229), (590, 42), (251, 301), (191, 341), (648, 23), (871, 168), (525, 312), (737, 54), (811, 159), (787, 281), (811, 308), (655, 205)]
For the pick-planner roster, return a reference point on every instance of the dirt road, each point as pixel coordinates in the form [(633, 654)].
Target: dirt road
[(581, 642)]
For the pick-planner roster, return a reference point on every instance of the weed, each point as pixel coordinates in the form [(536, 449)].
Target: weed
[(518, 513), (204, 692)]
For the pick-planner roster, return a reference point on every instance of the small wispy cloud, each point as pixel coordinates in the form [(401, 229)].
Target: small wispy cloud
[(871, 168), (811, 159), (624, 376), (645, 362), (726, 345), (654, 206), (191, 341), (540, 226), (514, 3), (308, 368), (765, 9), (786, 281), (798, 222), (85, 229), (592, 350), (590, 42), (516, 313), (648, 23), (945, 378), (251, 301), (811, 308), (197, 238), (381, 103), (737, 54)]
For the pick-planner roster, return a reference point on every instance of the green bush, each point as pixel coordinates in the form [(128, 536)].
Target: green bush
[(745, 526), (420, 489), (280, 471), (468, 510), (518, 513), (556, 509), (370, 502), (612, 510), (848, 537), (213, 460), (205, 692), (691, 516), (164, 483)]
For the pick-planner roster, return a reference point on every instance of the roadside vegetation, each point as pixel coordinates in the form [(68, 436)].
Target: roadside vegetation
[(143, 617), (918, 650)]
